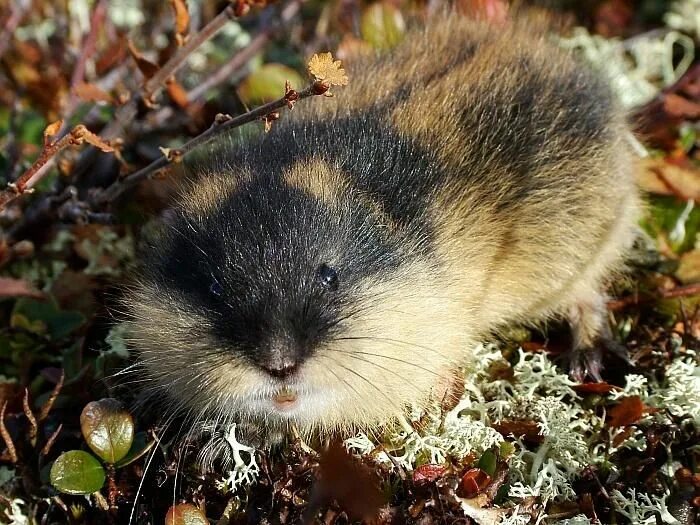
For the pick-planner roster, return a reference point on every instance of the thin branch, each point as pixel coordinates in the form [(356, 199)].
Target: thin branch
[(52, 439), (637, 299), (12, 452), (223, 123), (46, 408), (31, 177), (243, 56), (33, 426), (155, 83)]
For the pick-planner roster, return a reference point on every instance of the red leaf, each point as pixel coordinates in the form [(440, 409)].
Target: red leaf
[(527, 429), (627, 412), (473, 482), (428, 473), (595, 388), (677, 106)]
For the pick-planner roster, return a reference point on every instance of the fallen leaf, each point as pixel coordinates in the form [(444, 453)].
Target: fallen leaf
[(348, 482), (680, 107), (10, 287), (663, 178), (428, 473), (627, 412), (595, 388), (473, 482), (527, 429)]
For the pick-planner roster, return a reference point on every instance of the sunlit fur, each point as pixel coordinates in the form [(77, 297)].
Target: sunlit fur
[(474, 177)]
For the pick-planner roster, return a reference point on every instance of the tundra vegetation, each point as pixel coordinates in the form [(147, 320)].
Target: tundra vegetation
[(102, 102)]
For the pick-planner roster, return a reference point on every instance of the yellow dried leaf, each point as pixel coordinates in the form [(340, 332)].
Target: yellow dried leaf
[(80, 132), (182, 17), (51, 130), (324, 69), (91, 93)]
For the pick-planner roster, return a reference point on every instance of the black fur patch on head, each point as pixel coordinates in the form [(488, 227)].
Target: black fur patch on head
[(273, 269)]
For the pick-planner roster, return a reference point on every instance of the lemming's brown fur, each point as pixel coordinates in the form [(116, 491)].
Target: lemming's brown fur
[(474, 177)]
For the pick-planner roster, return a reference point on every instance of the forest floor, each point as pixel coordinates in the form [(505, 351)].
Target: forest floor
[(100, 101)]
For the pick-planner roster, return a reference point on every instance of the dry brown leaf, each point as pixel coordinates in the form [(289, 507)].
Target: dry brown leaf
[(663, 178), (182, 20), (324, 69), (91, 93), (680, 107), (82, 133), (147, 68), (18, 288), (627, 412), (177, 93), (51, 130)]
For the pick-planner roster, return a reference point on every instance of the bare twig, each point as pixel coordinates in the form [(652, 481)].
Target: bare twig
[(46, 408), (52, 439), (637, 299), (155, 83), (223, 123), (240, 59), (11, 451), (26, 181), (33, 427)]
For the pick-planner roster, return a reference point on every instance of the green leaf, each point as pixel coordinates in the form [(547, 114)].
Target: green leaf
[(185, 514), (77, 472), (488, 462), (139, 447), (41, 316), (382, 25), (267, 84), (108, 429)]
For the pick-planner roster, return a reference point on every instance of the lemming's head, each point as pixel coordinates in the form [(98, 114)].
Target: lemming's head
[(283, 294)]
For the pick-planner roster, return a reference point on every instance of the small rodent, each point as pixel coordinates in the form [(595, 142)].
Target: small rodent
[(339, 268)]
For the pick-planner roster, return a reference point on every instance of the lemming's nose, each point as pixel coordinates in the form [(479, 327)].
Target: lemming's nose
[(282, 358), (281, 368)]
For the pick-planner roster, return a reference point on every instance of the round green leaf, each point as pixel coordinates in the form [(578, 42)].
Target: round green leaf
[(108, 429), (382, 25), (266, 84), (185, 514), (77, 472)]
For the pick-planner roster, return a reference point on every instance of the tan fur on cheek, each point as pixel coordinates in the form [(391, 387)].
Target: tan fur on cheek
[(403, 341)]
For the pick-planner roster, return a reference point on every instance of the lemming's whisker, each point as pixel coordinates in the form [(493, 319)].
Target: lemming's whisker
[(395, 341), (375, 387), (356, 353)]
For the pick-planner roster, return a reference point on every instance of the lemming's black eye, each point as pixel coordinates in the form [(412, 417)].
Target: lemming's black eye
[(216, 288), (327, 277)]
